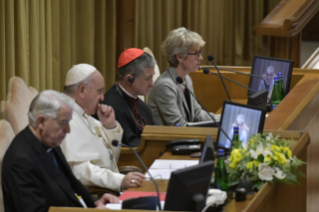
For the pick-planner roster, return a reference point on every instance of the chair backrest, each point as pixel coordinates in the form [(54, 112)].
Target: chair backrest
[(313, 61), (6, 136), (156, 69), (16, 108)]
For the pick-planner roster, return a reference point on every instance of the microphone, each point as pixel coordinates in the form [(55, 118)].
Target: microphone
[(237, 72), (211, 59), (179, 80), (259, 98), (206, 71), (117, 143)]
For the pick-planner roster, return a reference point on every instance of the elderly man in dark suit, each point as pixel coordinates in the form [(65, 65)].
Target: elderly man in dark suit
[(35, 174)]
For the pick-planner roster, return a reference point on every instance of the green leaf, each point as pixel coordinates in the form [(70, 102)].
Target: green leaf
[(258, 184), (291, 178)]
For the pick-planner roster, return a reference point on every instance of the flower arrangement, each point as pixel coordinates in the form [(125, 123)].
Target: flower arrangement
[(263, 159)]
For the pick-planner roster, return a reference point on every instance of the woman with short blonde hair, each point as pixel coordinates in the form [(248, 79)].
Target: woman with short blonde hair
[(170, 102)]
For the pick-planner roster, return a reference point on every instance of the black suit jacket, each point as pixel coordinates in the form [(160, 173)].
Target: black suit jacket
[(32, 182), (122, 107)]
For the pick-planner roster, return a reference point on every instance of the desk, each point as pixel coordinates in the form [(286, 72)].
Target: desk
[(282, 197)]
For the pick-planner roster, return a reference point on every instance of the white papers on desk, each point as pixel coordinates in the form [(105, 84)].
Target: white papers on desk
[(161, 169)]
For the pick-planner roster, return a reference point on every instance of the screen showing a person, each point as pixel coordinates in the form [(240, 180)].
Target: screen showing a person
[(268, 68), (249, 120)]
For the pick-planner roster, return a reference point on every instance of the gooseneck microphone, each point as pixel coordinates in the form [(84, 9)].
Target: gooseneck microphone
[(237, 72), (211, 59), (206, 71), (179, 80), (256, 93), (117, 143)]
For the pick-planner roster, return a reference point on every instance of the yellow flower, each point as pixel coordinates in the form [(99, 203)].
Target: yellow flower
[(250, 164), (233, 164), (274, 148), (287, 151), (235, 156), (275, 156), (281, 158), (268, 159)]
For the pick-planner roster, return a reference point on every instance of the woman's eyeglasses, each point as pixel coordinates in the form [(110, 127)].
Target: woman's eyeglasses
[(197, 54)]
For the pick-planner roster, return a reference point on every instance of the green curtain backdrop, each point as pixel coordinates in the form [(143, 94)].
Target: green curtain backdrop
[(226, 26), (40, 40)]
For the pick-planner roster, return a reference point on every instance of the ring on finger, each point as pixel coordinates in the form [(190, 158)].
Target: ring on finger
[(133, 181)]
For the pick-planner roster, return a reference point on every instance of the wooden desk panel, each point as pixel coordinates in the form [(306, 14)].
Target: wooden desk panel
[(154, 138)]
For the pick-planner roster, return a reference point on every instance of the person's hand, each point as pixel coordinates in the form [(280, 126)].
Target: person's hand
[(106, 198), (106, 115), (132, 179)]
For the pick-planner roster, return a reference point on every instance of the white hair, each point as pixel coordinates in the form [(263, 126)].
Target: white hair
[(48, 104), (180, 41), (270, 70), (241, 118)]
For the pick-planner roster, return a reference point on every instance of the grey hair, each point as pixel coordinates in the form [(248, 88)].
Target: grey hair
[(136, 67), (270, 70), (72, 88), (180, 41), (48, 104)]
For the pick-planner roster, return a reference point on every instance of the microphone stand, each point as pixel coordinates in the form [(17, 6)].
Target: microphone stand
[(237, 72), (179, 80), (116, 143), (212, 61)]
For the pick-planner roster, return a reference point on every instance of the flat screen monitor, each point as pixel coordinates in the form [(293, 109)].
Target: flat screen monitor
[(185, 184), (208, 150), (268, 68), (249, 119)]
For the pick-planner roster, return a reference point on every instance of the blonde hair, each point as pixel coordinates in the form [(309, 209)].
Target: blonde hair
[(180, 41)]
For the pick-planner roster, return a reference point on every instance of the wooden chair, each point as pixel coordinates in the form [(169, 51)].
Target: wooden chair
[(156, 69), (6, 136), (16, 108)]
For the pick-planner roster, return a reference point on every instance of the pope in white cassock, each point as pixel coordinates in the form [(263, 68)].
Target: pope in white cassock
[(88, 147)]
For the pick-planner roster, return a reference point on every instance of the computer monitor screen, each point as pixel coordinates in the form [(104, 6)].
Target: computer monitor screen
[(208, 150), (187, 183), (249, 119), (268, 68)]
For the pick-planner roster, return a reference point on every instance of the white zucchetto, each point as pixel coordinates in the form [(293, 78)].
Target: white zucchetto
[(78, 73)]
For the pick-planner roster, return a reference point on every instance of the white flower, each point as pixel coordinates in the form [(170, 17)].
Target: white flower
[(259, 150), (269, 137), (279, 174), (265, 172)]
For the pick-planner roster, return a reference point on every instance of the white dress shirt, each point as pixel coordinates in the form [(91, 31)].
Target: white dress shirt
[(89, 151)]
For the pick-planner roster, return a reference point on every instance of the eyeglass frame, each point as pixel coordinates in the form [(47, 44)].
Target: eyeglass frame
[(196, 54)]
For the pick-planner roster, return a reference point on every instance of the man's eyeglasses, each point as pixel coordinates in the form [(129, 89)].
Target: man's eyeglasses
[(197, 54)]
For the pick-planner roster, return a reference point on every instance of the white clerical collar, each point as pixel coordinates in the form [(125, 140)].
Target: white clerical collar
[(78, 109), (125, 91)]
